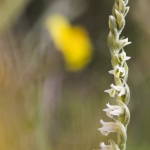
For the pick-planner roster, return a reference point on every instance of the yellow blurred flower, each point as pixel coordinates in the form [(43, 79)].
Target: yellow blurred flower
[(73, 42)]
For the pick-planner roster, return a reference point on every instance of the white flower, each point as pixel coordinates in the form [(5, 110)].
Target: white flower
[(120, 89), (112, 146), (123, 42), (108, 127), (122, 57), (118, 71), (114, 110), (112, 91), (105, 147)]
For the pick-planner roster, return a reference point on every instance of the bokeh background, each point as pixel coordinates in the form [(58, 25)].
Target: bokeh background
[(45, 107)]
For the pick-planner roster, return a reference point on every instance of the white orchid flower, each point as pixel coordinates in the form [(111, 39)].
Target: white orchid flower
[(114, 110), (112, 146), (108, 127), (123, 42), (118, 71), (122, 57), (120, 89), (105, 147), (112, 91)]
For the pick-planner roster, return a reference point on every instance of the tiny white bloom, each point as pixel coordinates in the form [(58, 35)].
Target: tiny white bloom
[(105, 147), (108, 127), (112, 91), (122, 57), (120, 89), (112, 146), (114, 110), (118, 71), (123, 42)]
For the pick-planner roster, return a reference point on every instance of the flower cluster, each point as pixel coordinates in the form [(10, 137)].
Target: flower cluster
[(120, 90)]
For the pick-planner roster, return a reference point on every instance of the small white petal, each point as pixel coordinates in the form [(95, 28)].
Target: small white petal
[(127, 58), (111, 71), (105, 147), (122, 92), (111, 92), (112, 107), (128, 43), (106, 109), (117, 112), (118, 88), (108, 91), (114, 146)]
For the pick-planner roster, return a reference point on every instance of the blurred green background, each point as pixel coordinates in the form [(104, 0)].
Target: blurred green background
[(45, 107)]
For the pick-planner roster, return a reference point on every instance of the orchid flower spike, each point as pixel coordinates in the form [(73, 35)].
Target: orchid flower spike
[(119, 113), (108, 127)]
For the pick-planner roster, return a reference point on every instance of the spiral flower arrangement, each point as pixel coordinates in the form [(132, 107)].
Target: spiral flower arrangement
[(120, 112)]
